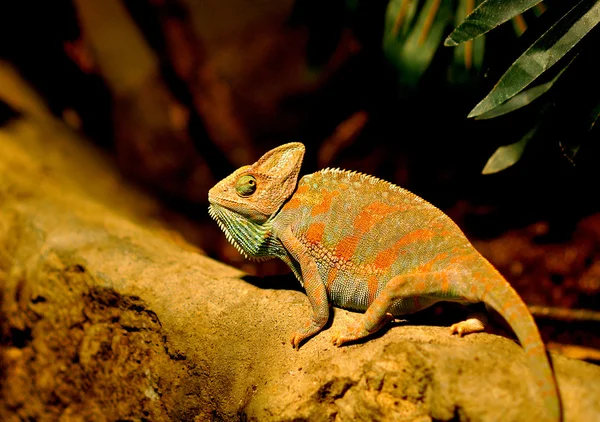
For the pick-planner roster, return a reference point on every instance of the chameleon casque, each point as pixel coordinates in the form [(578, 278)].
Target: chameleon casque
[(364, 244)]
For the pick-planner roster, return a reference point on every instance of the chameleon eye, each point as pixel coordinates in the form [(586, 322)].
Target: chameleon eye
[(245, 185)]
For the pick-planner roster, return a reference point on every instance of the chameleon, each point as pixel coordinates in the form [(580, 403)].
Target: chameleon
[(361, 243)]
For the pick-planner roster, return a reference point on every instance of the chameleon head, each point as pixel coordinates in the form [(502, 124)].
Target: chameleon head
[(258, 191)]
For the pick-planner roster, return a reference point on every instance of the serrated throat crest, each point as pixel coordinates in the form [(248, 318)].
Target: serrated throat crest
[(254, 241)]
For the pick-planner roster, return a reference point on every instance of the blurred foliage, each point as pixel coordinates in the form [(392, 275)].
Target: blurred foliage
[(412, 36), (553, 42)]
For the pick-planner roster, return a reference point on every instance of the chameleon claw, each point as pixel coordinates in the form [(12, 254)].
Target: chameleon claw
[(337, 340), (295, 341), (350, 334), (359, 330), (474, 324), (456, 329), (340, 339)]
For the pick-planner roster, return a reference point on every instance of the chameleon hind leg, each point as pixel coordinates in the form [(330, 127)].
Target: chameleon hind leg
[(475, 323), (403, 295)]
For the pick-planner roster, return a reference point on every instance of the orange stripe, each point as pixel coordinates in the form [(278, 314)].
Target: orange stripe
[(372, 283), (428, 266), (387, 257), (346, 247), (331, 276), (296, 200), (373, 214), (314, 234), (325, 204)]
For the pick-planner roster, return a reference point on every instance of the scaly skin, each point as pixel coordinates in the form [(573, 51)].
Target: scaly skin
[(364, 244)]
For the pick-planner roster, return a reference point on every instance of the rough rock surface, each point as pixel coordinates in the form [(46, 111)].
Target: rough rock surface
[(106, 315)]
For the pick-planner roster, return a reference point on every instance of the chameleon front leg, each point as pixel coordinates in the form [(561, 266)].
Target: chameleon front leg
[(406, 294), (313, 285)]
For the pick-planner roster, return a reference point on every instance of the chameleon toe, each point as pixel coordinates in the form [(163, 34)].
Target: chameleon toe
[(295, 340), (474, 324)]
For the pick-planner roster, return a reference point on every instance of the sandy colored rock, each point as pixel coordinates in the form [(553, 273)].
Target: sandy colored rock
[(105, 317)]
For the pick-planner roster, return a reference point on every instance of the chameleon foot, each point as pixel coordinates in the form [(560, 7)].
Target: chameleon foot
[(350, 334), (357, 331), (311, 328), (474, 324), (296, 339)]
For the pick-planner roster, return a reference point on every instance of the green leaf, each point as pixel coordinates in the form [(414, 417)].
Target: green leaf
[(523, 98), (468, 55), (594, 116), (544, 53), (487, 16), (399, 19), (411, 52), (507, 155)]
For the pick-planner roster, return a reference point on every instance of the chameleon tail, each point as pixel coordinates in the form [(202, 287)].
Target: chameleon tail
[(505, 300)]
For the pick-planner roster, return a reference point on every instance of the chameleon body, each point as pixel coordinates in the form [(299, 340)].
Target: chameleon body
[(364, 244)]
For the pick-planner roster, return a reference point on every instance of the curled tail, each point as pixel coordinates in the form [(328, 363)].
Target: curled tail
[(505, 300)]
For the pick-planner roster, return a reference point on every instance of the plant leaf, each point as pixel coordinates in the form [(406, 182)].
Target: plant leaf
[(487, 16), (399, 18), (523, 98), (468, 55), (594, 116), (507, 155), (413, 53), (544, 53)]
